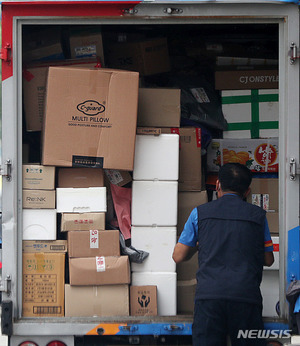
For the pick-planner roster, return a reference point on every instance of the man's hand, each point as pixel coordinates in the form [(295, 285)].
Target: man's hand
[(183, 252), (269, 259)]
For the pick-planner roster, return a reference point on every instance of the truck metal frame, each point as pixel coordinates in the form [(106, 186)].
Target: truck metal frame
[(16, 14)]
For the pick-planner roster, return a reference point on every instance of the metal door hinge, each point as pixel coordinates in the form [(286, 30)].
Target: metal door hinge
[(293, 53), (5, 53), (6, 285), (294, 169), (6, 170)]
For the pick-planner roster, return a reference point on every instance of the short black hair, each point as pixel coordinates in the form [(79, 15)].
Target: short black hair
[(235, 177)]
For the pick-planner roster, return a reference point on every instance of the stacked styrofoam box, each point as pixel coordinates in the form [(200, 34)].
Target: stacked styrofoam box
[(154, 215)]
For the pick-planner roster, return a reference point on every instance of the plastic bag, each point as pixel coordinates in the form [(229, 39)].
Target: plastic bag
[(134, 255)]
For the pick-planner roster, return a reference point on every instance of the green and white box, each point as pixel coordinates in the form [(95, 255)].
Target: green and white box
[(251, 113)]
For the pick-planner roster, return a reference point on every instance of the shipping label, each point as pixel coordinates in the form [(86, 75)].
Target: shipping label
[(94, 239), (100, 264)]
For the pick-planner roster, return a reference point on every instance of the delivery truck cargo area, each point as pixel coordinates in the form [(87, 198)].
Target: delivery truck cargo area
[(124, 127)]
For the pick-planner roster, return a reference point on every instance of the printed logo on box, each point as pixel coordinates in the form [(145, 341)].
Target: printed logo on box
[(91, 107)]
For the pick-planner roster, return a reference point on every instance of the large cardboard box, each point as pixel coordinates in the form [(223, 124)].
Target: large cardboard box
[(247, 79), (190, 174), (34, 89), (43, 284), (93, 243), (187, 270), (251, 113), (39, 199), (118, 177), (143, 300), (82, 221), (166, 289), (39, 224), (100, 301), (159, 107), (187, 201), (154, 203), (156, 157), (148, 57), (159, 242), (91, 199), (80, 177), (96, 111), (44, 246), (259, 155), (38, 177), (110, 270)]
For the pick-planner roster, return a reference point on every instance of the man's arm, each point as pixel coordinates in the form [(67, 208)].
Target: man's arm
[(269, 259), (183, 252)]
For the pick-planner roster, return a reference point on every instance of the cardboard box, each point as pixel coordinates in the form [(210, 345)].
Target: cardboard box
[(156, 157), (100, 114), (44, 246), (273, 222), (143, 300), (93, 243), (43, 284), (154, 203), (147, 57), (264, 193), (166, 289), (110, 270), (39, 199), (39, 224), (80, 177), (186, 296), (82, 221), (86, 44), (248, 79), (159, 242), (117, 177), (34, 89), (159, 107), (187, 201), (38, 177), (190, 175), (100, 301), (251, 113), (259, 155), (91, 199)]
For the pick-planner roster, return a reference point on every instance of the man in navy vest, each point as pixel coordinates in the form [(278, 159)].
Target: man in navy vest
[(234, 243)]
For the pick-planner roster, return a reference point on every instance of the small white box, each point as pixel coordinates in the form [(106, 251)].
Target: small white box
[(166, 289), (159, 242), (154, 203), (156, 157), (39, 224), (270, 292), (81, 200)]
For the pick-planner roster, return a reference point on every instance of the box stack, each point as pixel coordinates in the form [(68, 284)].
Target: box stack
[(154, 215), (250, 106)]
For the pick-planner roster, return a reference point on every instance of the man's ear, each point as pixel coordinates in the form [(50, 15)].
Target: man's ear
[(218, 185), (247, 192)]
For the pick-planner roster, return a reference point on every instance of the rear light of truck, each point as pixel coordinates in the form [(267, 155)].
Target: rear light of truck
[(56, 343), (28, 343)]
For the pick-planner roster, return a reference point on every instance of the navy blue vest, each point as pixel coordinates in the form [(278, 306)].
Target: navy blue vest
[(231, 250)]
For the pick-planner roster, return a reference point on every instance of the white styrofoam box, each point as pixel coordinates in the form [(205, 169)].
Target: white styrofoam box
[(166, 289), (159, 242), (241, 112), (154, 203), (275, 265), (80, 200), (39, 224), (270, 292), (156, 157)]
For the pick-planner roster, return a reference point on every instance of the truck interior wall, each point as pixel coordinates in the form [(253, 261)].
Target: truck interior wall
[(195, 54)]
